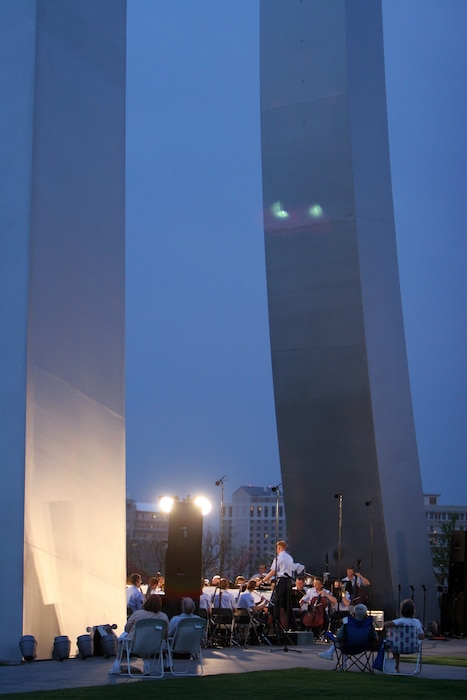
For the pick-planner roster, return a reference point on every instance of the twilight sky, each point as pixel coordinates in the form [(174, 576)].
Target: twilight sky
[(199, 383)]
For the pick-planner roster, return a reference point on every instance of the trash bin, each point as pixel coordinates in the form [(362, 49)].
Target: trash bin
[(28, 646), (109, 645), (61, 649), (85, 645), (101, 633)]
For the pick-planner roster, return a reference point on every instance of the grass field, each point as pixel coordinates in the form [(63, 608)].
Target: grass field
[(283, 685)]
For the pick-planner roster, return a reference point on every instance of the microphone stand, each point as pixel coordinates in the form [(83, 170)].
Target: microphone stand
[(424, 603), (339, 539), (370, 504)]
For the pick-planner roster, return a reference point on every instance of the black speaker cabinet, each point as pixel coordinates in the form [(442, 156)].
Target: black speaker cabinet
[(458, 546), (183, 557), (454, 615), (457, 576)]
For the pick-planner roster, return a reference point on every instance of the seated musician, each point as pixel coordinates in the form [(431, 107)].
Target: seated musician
[(298, 591), (261, 573), (296, 594), (248, 601), (343, 607), (223, 598), (317, 600), (205, 601)]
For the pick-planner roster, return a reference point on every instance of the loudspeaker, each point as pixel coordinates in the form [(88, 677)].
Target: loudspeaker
[(458, 546), (458, 562), (457, 577), (454, 615), (183, 557)]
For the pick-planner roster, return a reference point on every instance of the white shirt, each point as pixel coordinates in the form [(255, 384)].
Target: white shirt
[(224, 600), (173, 624), (205, 601), (313, 593), (283, 565), (410, 622)]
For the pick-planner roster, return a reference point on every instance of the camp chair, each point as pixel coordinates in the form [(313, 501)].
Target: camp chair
[(146, 643), (186, 643), (402, 639), (354, 649)]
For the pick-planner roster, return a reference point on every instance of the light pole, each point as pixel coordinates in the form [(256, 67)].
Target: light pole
[(277, 491), (220, 482)]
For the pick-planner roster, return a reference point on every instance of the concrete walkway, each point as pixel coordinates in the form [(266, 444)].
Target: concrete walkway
[(75, 672)]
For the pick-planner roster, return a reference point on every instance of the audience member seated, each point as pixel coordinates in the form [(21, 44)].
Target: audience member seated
[(188, 609), (406, 618), (152, 608), (355, 641), (369, 636)]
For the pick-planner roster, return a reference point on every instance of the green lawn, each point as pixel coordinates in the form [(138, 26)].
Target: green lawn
[(266, 684)]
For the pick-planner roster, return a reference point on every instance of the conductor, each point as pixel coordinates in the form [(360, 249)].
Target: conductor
[(283, 569)]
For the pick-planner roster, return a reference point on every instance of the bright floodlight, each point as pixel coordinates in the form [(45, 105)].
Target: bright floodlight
[(204, 504), (166, 503)]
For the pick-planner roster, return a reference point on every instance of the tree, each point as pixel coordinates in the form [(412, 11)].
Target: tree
[(210, 552), (441, 549)]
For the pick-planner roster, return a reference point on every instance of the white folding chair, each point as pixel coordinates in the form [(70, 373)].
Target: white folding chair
[(403, 639), (186, 643), (146, 643)]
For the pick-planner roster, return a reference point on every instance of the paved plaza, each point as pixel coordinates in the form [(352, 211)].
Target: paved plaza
[(75, 672)]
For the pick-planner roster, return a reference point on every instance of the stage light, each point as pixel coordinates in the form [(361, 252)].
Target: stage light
[(166, 503), (204, 504)]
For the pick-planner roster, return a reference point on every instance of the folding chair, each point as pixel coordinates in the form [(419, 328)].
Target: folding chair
[(402, 639), (355, 650), (186, 642), (223, 627), (248, 628), (242, 626), (209, 625), (146, 643)]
